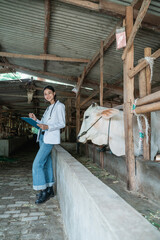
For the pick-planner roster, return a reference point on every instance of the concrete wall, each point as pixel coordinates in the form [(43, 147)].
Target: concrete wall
[(8, 146), (90, 209), (147, 172)]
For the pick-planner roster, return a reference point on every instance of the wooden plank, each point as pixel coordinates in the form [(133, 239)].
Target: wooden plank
[(80, 81), (43, 57), (148, 108), (39, 72), (62, 93), (115, 9), (136, 4), (107, 43), (85, 4), (153, 97), (46, 29), (101, 74), (141, 14), (147, 53), (128, 100), (132, 72), (6, 70)]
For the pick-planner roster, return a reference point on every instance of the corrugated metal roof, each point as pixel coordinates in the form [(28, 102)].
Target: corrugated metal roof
[(75, 32)]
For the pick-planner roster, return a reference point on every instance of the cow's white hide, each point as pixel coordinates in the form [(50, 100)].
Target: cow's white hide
[(98, 134)]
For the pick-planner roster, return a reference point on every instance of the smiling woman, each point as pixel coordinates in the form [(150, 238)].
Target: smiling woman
[(48, 135)]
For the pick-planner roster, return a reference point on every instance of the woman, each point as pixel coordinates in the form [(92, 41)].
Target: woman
[(49, 134)]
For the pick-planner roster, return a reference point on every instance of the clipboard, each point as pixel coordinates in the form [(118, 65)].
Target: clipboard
[(30, 121)]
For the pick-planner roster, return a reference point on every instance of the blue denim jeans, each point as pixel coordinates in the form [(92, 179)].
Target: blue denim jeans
[(42, 169)]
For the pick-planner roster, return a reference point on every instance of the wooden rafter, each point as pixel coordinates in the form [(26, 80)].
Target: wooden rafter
[(5, 70), (64, 94), (89, 98), (142, 64), (101, 74), (46, 30), (43, 57), (141, 14), (39, 72), (136, 4), (107, 43), (114, 9), (85, 4)]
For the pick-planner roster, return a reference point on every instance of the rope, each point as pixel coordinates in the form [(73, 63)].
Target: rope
[(85, 132), (141, 133), (150, 60)]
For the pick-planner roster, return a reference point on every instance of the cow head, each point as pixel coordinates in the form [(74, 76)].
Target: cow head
[(95, 124)]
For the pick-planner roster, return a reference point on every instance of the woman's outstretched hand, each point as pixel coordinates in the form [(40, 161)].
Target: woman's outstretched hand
[(31, 115)]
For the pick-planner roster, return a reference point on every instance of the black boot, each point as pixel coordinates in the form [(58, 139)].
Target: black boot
[(50, 191), (39, 194), (43, 197)]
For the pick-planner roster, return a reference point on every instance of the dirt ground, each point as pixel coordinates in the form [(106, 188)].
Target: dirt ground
[(150, 210)]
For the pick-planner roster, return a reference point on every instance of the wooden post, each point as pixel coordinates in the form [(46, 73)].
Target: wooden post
[(128, 101), (101, 74), (78, 112), (69, 118), (143, 93), (101, 95), (147, 53)]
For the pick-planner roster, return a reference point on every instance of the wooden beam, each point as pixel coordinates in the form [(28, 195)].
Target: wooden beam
[(114, 9), (6, 70), (136, 4), (89, 98), (118, 10), (153, 97), (132, 72), (108, 41), (39, 72), (85, 4), (80, 81), (101, 74), (61, 93), (148, 108), (78, 111), (46, 29), (141, 14), (43, 57), (128, 101)]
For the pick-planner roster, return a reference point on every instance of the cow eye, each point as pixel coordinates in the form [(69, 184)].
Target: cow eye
[(86, 117)]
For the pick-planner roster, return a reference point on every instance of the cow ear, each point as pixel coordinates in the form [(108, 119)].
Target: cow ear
[(110, 112)]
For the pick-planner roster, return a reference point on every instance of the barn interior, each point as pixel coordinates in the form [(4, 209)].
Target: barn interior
[(71, 45)]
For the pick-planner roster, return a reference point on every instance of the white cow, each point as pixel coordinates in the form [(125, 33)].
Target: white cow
[(102, 125)]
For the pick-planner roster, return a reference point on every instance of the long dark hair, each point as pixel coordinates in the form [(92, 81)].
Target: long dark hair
[(50, 88)]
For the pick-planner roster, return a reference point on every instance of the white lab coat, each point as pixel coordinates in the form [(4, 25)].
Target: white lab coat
[(55, 122)]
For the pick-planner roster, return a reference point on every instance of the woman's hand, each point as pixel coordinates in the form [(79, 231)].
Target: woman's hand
[(43, 126), (31, 115)]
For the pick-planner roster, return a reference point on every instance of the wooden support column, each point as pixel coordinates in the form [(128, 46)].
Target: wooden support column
[(68, 119), (147, 53), (101, 74), (46, 31), (143, 93), (101, 94), (78, 111), (128, 101)]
